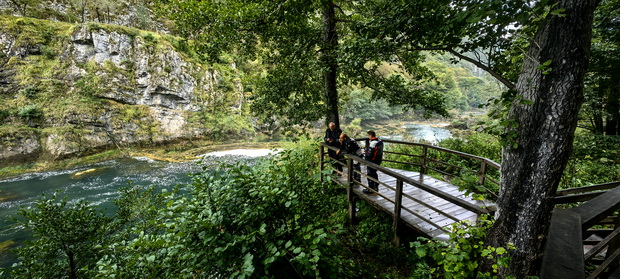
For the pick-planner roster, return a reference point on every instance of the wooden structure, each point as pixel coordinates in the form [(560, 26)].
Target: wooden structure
[(584, 235), (427, 205)]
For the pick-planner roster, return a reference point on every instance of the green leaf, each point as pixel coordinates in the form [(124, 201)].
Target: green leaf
[(558, 12), (420, 251)]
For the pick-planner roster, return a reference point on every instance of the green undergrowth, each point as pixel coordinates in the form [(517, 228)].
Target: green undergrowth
[(595, 160), (269, 219)]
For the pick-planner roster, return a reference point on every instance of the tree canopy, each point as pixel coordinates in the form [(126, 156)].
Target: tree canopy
[(311, 49)]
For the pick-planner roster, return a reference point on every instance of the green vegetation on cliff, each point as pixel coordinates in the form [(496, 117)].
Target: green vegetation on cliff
[(86, 88)]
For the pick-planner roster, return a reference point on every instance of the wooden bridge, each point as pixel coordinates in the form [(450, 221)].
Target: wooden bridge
[(583, 239), (427, 205)]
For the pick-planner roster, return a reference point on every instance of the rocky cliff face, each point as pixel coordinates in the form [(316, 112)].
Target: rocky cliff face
[(73, 89)]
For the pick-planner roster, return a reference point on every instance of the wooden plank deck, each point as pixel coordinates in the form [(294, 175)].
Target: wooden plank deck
[(428, 214)]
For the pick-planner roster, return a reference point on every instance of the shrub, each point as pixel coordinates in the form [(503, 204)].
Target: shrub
[(66, 239), (271, 219), (30, 92), (461, 256), (595, 160), (29, 112), (47, 52), (149, 38), (4, 114)]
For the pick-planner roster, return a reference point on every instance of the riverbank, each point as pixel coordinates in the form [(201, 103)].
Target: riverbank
[(177, 152)]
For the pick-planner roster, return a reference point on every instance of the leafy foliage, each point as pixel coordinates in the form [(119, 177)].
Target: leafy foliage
[(460, 257), (66, 237), (602, 92), (261, 220), (595, 160), (30, 92), (289, 36), (361, 105)]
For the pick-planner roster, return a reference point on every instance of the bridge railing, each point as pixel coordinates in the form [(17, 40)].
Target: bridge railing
[(394, 194), (427, 159), (590, 219)]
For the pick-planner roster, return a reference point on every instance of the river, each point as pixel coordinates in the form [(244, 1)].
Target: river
[(99, 184), (433, 132)]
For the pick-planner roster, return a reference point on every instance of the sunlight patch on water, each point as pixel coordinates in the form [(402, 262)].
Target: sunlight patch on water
[(144, 158)]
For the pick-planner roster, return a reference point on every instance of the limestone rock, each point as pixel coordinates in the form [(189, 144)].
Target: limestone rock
[(146, 88)]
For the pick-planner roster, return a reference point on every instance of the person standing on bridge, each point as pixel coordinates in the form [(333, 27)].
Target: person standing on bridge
[(374, 154), (332, 135), (349, 146)]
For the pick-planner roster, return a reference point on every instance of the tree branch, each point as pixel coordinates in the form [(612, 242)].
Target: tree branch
[(496, 75), (367, 84), (487, 69)]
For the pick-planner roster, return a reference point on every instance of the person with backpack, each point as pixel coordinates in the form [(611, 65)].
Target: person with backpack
[(374, 154), (349, 146)]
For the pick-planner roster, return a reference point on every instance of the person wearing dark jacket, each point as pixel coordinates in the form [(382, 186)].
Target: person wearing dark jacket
[(349, 146), (332, 135), (374, 154)]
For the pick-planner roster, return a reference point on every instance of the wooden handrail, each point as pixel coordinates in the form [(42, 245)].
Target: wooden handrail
[(604, 186), (398, 176), (583, 194), (462, 154), (485, 163)]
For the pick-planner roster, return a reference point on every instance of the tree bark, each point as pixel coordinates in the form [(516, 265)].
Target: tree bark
[(531, 171), (330, 46), (72, 266)]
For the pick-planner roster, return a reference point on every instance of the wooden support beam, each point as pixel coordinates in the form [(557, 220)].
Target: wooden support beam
[(563, 257), (322, 161), (483, 173), (350, 193), (423, 167), (397, 210)]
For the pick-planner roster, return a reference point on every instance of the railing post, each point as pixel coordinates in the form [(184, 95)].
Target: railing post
[(423, 166), (614, 245), (398, 200), (483, 173), (350, 194), (322, 161)]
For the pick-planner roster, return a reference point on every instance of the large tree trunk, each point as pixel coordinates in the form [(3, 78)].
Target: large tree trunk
[(532, 170), (330, 45)]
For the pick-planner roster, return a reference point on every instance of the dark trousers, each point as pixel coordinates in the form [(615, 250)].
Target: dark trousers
[(356, 176), (373, 173), (334, 157)]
